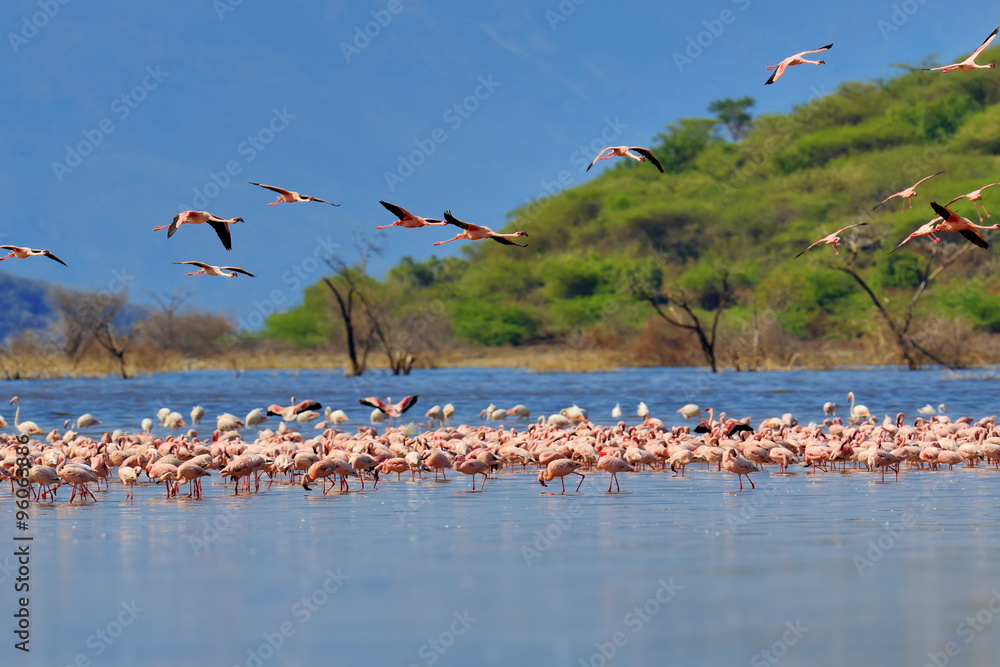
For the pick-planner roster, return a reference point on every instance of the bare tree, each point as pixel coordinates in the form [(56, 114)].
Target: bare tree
[(912, 351), (674, 306), (89, 317)]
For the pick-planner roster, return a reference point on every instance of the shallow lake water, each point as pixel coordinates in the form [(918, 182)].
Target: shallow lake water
[(806, 569)]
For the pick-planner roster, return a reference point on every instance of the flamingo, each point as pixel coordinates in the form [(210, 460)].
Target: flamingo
[(833, 240), (956, 223), (407, 219), (77, 476), (23, 253), (626, 151), (197, 412), (689, 411), (291, 412), (907, 193), (212, 270), (472, 467), (44, 476), (128, 477), (85, 420), (220, 225), (970, 62), (830, 408), (255, 416), (857, 411), (449, 411), (927, 229), (477, 232), (616, 412), (24, 428), (613, 465), (290, 197), (560, 468), (735, 463), (975, 196), (797, 59), (387, 408)]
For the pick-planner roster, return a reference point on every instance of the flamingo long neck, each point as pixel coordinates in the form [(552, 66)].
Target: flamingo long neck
[(17, 413)]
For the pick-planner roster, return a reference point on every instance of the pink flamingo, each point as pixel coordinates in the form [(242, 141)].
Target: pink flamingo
[(613, 465), (927, 229), (128, 477), (970, 62), (476, 232), (387, 408), (472, 467), (77, 476), (797, 59), (220, 225), (956, 223), (975, 196), (290, 412), (407, 219), (833, 240), (907, 193), (43, 476), (290, 196), (735, 463), (212, 270), (560, 468), (21, 252), (626, 151)]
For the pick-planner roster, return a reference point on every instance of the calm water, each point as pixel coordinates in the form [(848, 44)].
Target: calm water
[(815, 569)]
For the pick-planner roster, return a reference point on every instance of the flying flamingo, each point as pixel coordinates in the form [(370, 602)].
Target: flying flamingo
[(212, 270), (908, 193), (476, 232), (956, 223), (626, 151), (220, 225), (407, 219), (975, 196), (797, 59), (387, 408), (613, 465), (833, 240), (970, 62), (288, 413), (735, 463), (927, 229), (23, 253), (290, 197), (560, 468)]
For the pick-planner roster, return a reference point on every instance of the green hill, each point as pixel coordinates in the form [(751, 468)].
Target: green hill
[(744, 209)]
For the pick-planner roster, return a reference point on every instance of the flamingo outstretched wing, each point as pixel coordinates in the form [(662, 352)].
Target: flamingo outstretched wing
[(648, 154), (222, 229)]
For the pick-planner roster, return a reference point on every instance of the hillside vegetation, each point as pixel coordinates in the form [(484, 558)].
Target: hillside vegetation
[(740, 210)]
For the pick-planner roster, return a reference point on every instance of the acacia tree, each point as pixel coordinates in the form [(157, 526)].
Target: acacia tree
[(900, 325), (734, 115), (674, 306), (87, 317)]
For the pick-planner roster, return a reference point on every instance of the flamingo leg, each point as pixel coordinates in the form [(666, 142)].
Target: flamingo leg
[(563, 481), (984, 211), (582, 477), (440, 242)]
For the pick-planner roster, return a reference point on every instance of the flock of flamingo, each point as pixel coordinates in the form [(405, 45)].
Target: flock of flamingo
[(557, 446)]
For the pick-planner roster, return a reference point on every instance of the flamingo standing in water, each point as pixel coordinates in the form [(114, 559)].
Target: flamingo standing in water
[(858, 411), (907, 193), (212, 270), (407, 219), (833, 240), (23, 253), (956, 223), (613, 465), (477, 232), (290, 196), (220, 225), (24, 428), (472, 467), (975, 196), (797, 59), (735, 463), (626, 151), (128, 477), (970, 62), (560, 468)]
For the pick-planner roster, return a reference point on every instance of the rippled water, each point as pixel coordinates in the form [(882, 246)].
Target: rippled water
[(814, 568)]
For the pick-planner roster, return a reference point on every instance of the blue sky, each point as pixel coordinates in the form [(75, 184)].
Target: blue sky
[(476, 107)]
